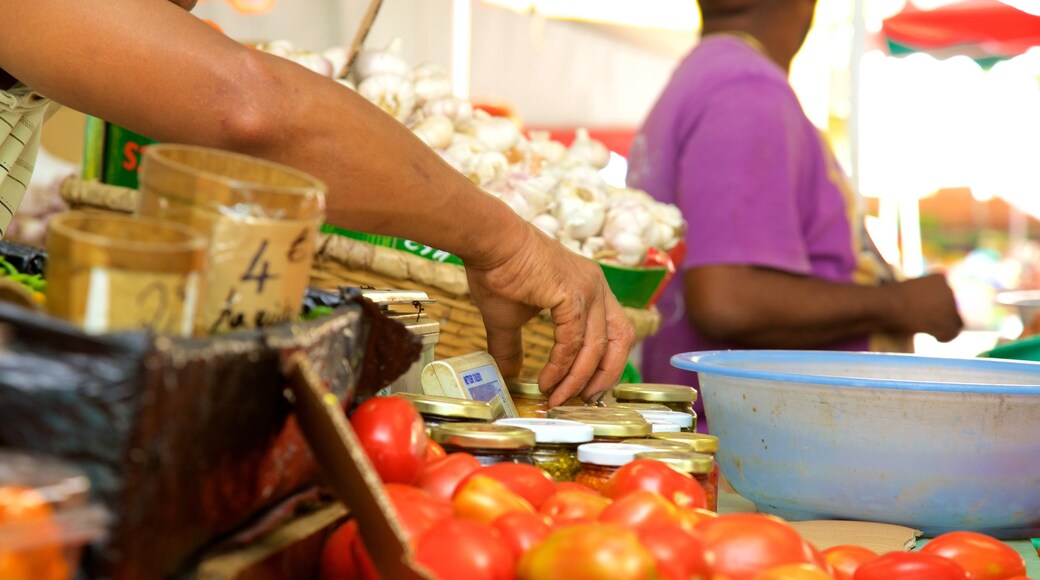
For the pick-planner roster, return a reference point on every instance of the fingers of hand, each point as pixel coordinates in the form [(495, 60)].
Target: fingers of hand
[(620, 336), (587, 361)]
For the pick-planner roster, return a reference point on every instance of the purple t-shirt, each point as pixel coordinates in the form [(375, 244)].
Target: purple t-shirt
[(729, 144)]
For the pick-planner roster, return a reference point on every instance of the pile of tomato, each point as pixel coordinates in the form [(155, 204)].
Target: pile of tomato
[(465, 521)]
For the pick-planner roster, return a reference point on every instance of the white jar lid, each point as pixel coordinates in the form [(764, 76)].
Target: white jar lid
[(663, 427), (609, 454), (683, 420), (553, 430)]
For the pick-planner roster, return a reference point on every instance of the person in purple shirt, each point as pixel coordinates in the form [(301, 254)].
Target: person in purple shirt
[(776, 253)]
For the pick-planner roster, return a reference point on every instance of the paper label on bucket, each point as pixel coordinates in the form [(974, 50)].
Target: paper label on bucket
[(123, 300), (258, 272)]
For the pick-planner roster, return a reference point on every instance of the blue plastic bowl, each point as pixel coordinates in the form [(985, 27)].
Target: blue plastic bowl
[(930, 443)]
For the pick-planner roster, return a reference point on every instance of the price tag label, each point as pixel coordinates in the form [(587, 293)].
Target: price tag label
[(258, 272), (134, 300)]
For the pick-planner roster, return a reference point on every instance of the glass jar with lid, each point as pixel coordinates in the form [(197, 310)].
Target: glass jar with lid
[(682, 421), (599, 461), (662, 427), (530, 401), (678, 398), (697, 465), (608, 425), (436, 410), (490, 444), (698, 443), (556, 444)]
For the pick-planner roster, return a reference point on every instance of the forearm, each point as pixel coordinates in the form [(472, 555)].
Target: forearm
[(151, 67), (760, 308)]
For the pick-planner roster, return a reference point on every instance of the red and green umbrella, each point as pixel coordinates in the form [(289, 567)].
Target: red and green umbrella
[(987, 31)]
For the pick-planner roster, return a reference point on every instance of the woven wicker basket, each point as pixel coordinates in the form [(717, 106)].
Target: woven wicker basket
[(342, 261)]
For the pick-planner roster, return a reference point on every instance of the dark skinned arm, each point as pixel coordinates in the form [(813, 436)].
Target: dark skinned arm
[(765, 308), (151, 67)]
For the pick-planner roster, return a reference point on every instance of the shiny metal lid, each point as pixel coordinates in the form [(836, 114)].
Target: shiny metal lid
[(481, 436), (450, 407), (684, 461), (699, 442), (655, 393), (606, 422)]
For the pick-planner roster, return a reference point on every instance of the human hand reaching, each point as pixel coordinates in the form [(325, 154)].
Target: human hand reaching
[(592, 335)]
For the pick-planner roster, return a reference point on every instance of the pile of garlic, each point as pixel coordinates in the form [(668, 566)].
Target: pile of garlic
[(557, 188)]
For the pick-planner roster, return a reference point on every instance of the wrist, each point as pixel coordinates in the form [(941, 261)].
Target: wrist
[(495, 234)]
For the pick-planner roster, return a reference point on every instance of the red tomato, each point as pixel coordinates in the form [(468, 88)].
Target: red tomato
[(527, 481), (434, 451), (483, 499), (640, 508), (649, 475), (984, 558), (574, 486), (571, 506), (521, 530), (344, 557), (393, 436), (794, 572), (745, 545), (679, 554), (910, 566), (463, 549), (443, 476), (590, 552), (846, 559), (416, 509), (690, 517)]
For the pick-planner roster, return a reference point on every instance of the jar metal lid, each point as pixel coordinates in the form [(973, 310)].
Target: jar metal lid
[(682, 420), (553, 430), (684, 461), (700, 442), (525, 387), (608, 422), (638, 407), (655, 393), (663, 427), (481, 436), (449, 407), (609, 454), (659, 444), (567, 412)]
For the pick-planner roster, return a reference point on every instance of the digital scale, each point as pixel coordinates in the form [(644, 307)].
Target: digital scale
[(471, 376)]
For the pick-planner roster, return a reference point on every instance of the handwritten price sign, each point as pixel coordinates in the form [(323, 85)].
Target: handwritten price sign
[(258, 273)]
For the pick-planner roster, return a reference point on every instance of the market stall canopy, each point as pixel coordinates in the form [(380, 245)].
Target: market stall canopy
[(987, 31)]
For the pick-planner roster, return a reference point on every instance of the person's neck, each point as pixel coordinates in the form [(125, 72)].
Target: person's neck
[(774, 44)]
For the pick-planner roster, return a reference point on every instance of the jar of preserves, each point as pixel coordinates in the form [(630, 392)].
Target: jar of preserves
[(556, 444), (682, 421), (697, 465), (698, 443), (599, 461), (529, 401), (608, 425), (679, 398), (436, 410), (490, 444)]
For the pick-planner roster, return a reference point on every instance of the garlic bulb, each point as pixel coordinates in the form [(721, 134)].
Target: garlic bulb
[(277, 47), (543, 146), (432, 88), (538, 190), (587, 151), (373, 62), (547, 223), (463, 148), (520, 204), (579, 210), (313, 61), (435, 130), (458, 110), (669, 226), (628, 229), (498, 133), (393, 94), (486, 167)]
